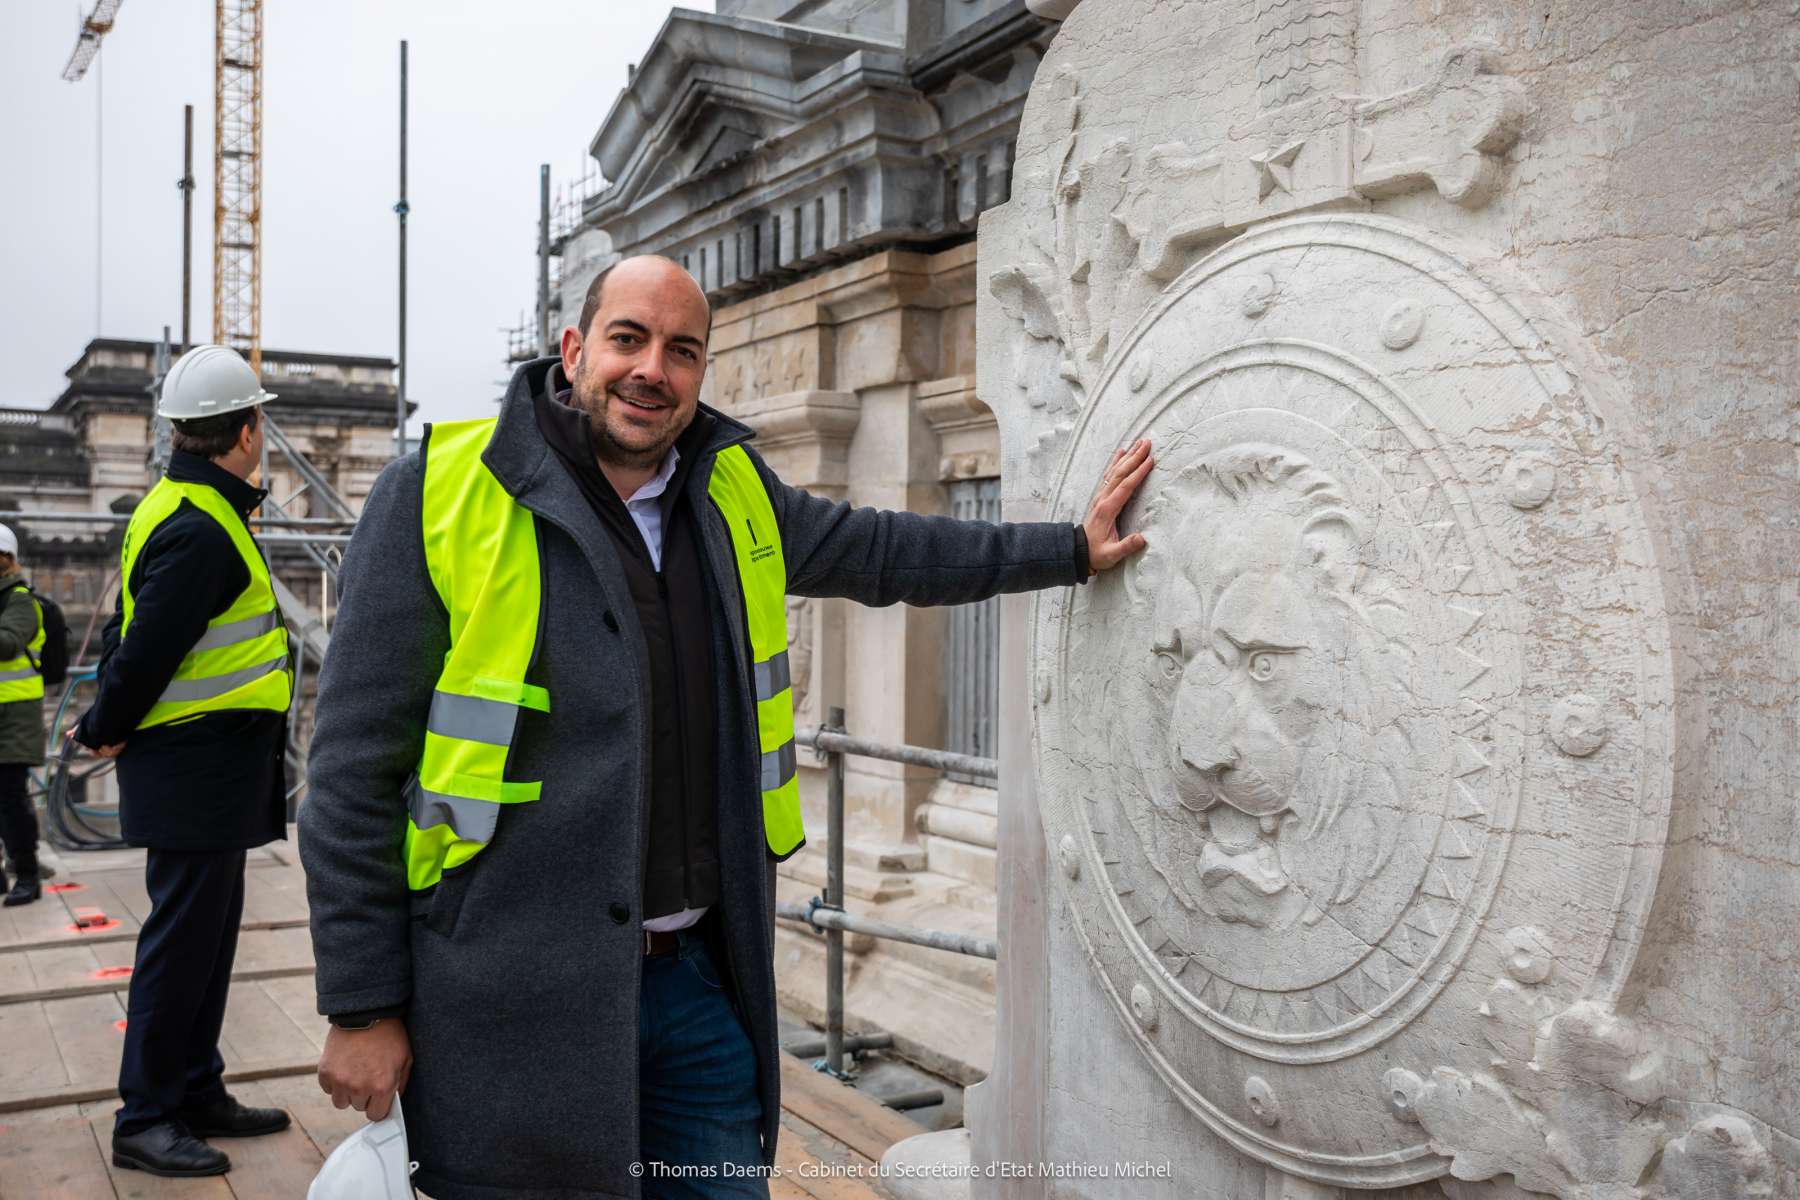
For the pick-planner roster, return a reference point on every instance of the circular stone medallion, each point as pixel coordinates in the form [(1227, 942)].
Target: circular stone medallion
[(1294, 740)]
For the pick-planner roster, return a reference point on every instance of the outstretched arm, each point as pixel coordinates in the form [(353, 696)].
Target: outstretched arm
[(879, 557)]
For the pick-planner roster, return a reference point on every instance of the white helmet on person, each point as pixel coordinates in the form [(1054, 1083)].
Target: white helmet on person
[(208, 381), (370, 1164), (9, 542)]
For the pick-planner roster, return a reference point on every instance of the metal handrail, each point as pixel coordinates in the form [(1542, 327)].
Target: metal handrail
[(92, 518), (829, 740), (825, 914)]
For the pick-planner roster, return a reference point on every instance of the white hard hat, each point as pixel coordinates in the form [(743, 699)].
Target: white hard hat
[(370, 1164), (208, 381), (9, 542)]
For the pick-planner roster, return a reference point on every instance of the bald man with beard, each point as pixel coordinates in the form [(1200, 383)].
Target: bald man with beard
[(546, 804)]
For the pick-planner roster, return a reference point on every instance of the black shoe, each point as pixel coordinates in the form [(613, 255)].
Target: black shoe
[(168, 1150), (44, 870), (228, 1118), (24, 891)]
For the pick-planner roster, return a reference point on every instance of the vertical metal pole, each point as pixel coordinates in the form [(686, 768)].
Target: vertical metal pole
[(99, 193), (543, 310), (834, 897), (159, 426), (402, 208), (186, 184)]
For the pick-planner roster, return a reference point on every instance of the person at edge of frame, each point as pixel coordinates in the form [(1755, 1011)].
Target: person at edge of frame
[(21, 723), (192, 696), (553, 769)]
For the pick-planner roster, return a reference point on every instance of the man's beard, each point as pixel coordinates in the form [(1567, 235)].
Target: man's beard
[(592, 398)]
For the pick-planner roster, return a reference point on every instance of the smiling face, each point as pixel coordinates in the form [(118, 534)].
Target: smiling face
[(637, 367)]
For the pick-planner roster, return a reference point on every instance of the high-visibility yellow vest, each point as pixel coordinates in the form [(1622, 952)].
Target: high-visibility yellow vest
[(19, 677), (241, 661), (481, 553)]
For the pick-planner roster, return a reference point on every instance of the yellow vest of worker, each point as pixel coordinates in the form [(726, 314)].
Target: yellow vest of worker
[(481, 553), (20, 678), (241, 660)]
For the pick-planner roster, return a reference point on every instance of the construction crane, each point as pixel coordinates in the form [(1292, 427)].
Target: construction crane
[(99, 23), (237, 178), (237, 162)]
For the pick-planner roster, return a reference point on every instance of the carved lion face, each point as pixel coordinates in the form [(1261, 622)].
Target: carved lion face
[(1277, 692)]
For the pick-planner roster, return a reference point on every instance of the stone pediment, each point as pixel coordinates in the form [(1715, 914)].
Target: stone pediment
[(750, 149), (701, 63)]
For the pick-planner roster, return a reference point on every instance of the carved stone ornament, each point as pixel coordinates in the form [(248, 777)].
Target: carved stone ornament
[(1571, 1105), (1116, 221), (1300, 748)]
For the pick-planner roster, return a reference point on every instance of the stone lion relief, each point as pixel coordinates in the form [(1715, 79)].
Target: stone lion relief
[(1366, 704), (1291, 725)]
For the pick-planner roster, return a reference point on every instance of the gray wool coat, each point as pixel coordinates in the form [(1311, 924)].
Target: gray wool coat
[(520, 970)]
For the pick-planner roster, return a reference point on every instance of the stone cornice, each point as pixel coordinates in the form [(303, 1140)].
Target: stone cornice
[(968, 434)]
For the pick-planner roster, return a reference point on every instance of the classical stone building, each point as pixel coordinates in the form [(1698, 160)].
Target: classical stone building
[(91, 451), (820, 167)]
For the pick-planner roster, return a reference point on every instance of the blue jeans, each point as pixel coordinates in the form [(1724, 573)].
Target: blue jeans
[(698, 1112)]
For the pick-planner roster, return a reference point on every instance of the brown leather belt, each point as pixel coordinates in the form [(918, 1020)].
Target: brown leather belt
[(659, 942)]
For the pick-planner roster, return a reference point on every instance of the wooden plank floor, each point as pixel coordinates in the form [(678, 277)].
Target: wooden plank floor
[(62, 1016)]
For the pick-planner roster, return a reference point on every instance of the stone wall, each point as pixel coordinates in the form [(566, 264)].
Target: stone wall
[(858, 382), (1416, 815)]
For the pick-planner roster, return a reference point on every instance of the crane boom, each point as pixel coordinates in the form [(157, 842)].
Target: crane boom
[(99, 23), (237, 178)]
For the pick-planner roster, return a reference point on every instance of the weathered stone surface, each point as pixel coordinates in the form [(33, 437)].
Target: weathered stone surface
[(1418, 807)]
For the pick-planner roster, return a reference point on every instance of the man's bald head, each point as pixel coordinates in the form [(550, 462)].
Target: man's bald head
[(657, 264), (637, 362)]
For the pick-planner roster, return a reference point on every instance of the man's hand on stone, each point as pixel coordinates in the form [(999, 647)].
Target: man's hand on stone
[(364, 1068), (1129, 466)]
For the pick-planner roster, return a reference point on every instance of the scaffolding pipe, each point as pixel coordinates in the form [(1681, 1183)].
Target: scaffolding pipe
[(831, 741), (186, 184), (401, 210), (543, 297), (834, 896), (836, 922), (125, 519)]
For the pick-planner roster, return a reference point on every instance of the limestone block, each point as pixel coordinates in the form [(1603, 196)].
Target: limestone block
[(1397, 804)]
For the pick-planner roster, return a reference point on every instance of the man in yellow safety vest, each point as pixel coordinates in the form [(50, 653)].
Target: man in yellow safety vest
[(554, 763), (192, 701), (21, 721)]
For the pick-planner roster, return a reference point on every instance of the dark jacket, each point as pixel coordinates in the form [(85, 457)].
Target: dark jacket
[(218, 782), (522, 968), (21, 721)]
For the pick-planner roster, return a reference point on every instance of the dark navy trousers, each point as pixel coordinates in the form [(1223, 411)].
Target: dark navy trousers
[(698, 1111), (179, 985)]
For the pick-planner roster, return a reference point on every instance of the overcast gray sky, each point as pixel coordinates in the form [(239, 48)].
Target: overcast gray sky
[(496, 89)]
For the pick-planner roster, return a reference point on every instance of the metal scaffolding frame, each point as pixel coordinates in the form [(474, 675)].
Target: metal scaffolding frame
[(825, 913)]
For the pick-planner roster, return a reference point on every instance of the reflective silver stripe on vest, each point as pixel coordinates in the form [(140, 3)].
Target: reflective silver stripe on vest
[(15, 676), (217, 685), (777, 766), (472, 719), (233, 632), (471, 820), (772, 677)]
